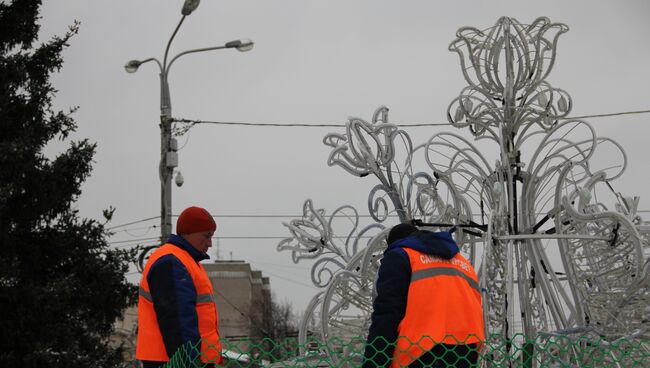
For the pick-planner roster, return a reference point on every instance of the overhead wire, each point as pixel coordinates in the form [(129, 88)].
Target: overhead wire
[(228, 216), (147, 230), (138, 241), (133, 222), (403, 125), (290, 280), (126, 230), (136, 244), (277, 265), (242, 313), (274, 237), (236, 216), (133, 240)]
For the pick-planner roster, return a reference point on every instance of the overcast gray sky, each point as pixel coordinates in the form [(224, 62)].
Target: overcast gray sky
[(313, 62)]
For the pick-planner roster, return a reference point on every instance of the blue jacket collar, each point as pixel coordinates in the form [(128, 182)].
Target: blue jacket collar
[(180, 242), (440, 244)]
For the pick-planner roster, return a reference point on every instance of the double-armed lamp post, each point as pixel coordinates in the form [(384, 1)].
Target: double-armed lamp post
[(168, 145)]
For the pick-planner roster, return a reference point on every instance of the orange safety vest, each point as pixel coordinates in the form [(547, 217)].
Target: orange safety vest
[(443, 306), (150, 345)]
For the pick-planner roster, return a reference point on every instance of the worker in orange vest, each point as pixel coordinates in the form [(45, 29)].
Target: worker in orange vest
[(427, 311), (176, 307)]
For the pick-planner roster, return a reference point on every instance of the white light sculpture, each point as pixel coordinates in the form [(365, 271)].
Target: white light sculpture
[(552, 256)]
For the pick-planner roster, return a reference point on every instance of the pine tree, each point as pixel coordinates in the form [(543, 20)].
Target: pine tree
[(61, 286)]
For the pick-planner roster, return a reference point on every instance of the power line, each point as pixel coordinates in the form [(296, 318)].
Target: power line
[(608, 115), (133, 222), (290, 280), (129, 229), (250, 216), (248, 237), (278, 216), (239, 237), (278, 265), (274, 216), (133, 240), (245, 315), (403, 125), (261, 237), (278, 237), (232, 305), (233, 216), (135, 244)]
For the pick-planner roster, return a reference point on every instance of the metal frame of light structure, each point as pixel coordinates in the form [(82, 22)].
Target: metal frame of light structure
[(169, 156), (558, 251)]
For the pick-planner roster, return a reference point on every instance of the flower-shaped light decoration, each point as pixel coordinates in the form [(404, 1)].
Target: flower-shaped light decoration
[(312, 237), (346, 264), (508, 55), (551, 255), (370, 148), (365, 147), (505, 67)]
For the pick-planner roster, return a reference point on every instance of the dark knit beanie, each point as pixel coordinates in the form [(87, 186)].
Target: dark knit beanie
[(194, 220), (400, 231)]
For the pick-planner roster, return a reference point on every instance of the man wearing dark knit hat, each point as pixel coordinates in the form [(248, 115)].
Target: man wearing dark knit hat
[(176, 307), (427, 311)]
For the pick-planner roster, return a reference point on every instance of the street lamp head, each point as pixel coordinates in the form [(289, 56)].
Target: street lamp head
[(189, 6), (242, 45), (132, 66)]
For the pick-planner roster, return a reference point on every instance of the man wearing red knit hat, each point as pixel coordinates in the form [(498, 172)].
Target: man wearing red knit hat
[(176, 307)]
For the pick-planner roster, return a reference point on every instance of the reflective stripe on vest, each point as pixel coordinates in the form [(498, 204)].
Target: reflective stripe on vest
[(150, 345), (443, 306), (145, 294), (200, 298), (433, 272)]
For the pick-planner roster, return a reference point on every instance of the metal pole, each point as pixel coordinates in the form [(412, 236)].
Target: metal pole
[(168, 155), (168, 158)]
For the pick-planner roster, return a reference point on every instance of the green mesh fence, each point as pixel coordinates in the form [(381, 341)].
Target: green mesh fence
[(546, 350)]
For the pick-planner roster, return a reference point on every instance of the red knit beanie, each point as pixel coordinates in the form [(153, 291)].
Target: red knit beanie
[(194, 220)]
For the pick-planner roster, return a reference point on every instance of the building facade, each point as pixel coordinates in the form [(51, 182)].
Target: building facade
[(243, 297)]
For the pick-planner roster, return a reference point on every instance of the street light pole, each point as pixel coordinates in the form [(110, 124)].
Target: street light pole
[(168, 145), (168, 158)]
